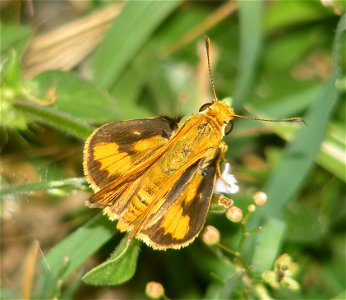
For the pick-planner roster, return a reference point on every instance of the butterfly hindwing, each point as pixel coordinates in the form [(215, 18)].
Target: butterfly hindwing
[(185, 208)]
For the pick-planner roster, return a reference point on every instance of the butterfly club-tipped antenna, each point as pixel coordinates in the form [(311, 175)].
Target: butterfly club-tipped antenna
[(207, 48), (294, 119)]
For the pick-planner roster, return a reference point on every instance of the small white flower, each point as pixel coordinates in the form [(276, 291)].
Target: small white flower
[(229, 184)]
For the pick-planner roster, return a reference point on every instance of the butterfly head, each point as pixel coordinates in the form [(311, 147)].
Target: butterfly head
[(220, 111)]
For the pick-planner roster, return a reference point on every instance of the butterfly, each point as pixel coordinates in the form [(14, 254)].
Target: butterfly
[(156, 176)]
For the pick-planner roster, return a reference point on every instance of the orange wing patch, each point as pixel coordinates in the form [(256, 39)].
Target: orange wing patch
[(111, 160), (175, 221), (116, 149), (183, 210)]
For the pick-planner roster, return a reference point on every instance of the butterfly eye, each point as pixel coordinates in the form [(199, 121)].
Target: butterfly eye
[(228, 128), (204, 106)]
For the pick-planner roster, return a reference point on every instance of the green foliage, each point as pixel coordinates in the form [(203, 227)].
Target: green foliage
[(69, 183), (76, 97), (268, 245), (277, 60), (251, 39), (11, 85), (139, 20), (75, 249), (119, 268)]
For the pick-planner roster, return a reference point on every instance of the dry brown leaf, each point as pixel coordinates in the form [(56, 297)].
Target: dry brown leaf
[(64, 47)]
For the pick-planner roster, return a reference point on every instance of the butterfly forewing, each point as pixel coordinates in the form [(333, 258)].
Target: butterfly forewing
[(122, 149)]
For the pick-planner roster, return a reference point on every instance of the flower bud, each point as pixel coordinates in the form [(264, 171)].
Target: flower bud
[(210, 235), (154, 290), (260, 198), (234, 214), (251, 208)]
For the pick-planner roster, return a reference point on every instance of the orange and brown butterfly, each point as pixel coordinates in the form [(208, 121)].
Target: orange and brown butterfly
[(156, 176)]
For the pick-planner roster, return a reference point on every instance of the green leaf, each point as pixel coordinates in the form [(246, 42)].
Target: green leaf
[(127, 97), (303, 224), (298, 160), (331, 155), (14, 37), (130, 31), (76, 97), (231, 286), (75, 249), (250, 47), (333, 149), (119, 268), (70, 183), (49, 281), (268, 244), (278, 52), (11, 73), (291, 13), (289, 105), (11, 83), (342, 295), (339, 59), (72, 289), (157, 81), (54, 118)]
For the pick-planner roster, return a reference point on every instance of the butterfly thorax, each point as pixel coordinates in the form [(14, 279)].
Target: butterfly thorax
[(196, 143)]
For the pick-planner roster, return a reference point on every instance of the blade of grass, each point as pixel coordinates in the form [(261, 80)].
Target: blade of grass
[(72, 288), (298, 160), (129, 32), (157, 81), (331, 155), (288, 105), (75, 249), (293, 13), (70, 183), (250, 47), (268, 244)]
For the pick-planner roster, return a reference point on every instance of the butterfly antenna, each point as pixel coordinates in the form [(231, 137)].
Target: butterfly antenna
[(295, 119), (207, 47)]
